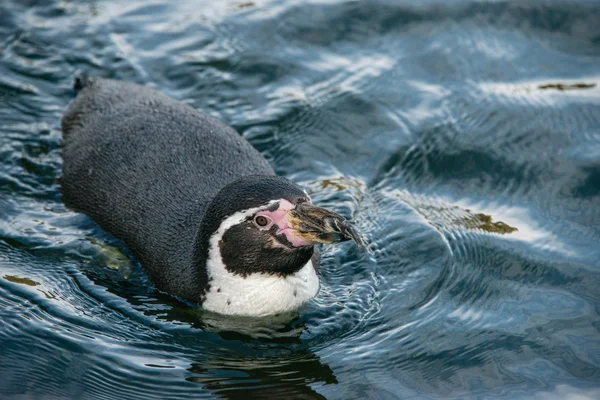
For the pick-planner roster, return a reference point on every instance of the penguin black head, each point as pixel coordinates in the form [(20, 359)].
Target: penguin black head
[(267, 225)]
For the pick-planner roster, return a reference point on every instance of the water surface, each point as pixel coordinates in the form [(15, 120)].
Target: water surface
[(462, 137)]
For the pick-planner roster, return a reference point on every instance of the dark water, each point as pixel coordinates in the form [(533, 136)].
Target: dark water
[(462, 137)]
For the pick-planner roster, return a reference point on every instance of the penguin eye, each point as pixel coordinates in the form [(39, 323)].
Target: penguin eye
[(261, 220)]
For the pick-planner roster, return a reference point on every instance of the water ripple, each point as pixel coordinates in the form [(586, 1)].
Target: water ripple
[(461, 138)]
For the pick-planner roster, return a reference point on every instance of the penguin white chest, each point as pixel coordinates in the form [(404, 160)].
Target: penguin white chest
[(259, 294)]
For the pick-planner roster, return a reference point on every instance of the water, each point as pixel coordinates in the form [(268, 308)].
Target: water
[(462, 137)]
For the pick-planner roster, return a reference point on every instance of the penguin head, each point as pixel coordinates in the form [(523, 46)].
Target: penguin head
[(267, 224)]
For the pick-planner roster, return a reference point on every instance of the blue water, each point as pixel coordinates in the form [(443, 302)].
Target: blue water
[(463, 138)]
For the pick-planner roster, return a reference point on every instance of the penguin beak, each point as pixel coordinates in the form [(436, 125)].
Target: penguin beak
[(318, 225)]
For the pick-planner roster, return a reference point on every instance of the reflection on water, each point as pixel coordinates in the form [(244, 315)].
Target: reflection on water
[(462, 138), (287, 376), (22, 281), (562, 86), (451, 216)]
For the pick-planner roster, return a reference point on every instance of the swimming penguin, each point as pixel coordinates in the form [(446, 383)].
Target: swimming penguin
[(194, 202)]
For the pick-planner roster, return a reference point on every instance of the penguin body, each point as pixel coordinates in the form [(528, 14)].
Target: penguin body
[(184, 192)]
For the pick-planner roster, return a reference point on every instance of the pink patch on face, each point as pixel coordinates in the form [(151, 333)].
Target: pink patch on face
[(279, 218)]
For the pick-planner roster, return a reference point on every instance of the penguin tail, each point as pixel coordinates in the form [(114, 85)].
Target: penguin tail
[(72, 118), (80, 81)]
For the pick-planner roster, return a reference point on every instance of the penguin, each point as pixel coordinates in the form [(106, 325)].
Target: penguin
[(199, 208)]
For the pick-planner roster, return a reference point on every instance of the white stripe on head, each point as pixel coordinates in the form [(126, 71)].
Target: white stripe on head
[(256, 294)]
